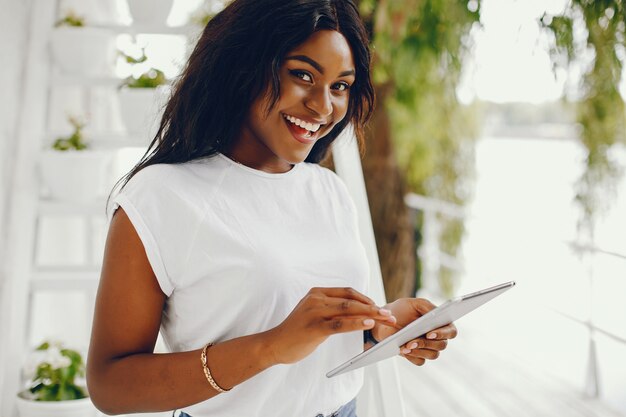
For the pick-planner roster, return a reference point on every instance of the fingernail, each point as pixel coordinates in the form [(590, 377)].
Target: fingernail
[(405, 350), (431, 336), (413, 345), (368, 322), (391, 319), (384, 312)]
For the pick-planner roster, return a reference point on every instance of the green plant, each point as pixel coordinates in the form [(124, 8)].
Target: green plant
[(151, 78), (75, 141), (53, 373), (71, 19), (132, 60)]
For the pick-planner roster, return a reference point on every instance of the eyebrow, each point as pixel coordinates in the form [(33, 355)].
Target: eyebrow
[(315, 65)]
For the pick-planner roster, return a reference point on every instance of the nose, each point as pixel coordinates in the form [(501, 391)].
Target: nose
[(320, 102)]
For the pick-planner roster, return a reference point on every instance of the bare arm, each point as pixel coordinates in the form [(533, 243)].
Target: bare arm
[(125, 376)]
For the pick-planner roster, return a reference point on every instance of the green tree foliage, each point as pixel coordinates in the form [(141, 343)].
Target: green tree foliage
[(419, 47), (600, 112)]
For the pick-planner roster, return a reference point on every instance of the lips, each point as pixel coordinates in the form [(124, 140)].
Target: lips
[(299, 130), (300, 134)]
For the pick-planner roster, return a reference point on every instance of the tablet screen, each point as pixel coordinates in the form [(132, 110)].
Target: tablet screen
[(440, 316)]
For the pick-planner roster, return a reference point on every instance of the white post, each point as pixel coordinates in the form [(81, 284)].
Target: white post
[(429, 255), (381, 395), (592, 383)]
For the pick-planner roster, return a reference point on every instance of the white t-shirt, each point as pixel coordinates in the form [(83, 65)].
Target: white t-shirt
[(235, 249)]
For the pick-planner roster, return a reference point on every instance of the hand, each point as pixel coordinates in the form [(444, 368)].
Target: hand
[(321, 313), (418, 350)]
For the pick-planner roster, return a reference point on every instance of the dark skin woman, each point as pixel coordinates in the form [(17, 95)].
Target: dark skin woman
[(270, 85)]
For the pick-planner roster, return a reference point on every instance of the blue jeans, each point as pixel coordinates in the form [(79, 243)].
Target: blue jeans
[(348, 410)]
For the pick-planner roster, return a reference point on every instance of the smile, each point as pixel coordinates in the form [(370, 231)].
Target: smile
[(303, 131), (312, 127)]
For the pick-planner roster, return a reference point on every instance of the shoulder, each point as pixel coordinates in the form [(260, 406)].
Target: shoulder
[(165, 174), (332, 183), (154, 174), (320, 171), (327, 175), (180, 177)]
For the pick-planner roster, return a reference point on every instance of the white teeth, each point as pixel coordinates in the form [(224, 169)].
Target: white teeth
[(313, 127)]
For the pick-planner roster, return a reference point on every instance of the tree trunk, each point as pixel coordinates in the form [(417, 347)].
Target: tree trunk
[(386, 188)]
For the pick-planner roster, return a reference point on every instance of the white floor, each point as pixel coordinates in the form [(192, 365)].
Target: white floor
[(473, 378)]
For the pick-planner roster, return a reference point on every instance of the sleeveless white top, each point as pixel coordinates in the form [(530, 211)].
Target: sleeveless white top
[(235, 249)]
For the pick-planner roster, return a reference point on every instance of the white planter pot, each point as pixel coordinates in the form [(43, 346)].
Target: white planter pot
[(84, 51), (76, 176), (150, 12), (141, 110), (73, 408)]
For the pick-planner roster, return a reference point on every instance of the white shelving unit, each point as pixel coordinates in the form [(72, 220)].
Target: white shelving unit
[(29, 208)]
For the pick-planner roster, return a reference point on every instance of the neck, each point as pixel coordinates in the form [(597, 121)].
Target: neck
[(259, 159)]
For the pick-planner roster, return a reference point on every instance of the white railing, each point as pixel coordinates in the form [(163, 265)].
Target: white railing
[(433, 259), (588, 254)]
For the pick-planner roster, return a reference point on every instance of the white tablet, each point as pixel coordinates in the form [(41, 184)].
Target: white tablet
[(444, 314)]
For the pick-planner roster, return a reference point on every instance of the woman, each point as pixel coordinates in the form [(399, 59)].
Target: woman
[(230, 238)]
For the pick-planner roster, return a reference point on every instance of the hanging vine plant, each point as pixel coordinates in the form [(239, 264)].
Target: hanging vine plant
[(596, 28)]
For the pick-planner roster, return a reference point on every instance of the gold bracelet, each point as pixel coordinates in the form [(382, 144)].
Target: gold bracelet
[(207, 372)]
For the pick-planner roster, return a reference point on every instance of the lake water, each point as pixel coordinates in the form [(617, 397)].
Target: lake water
[(521, 218)]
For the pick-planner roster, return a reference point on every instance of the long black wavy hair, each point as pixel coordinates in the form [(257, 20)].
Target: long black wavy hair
[(236, 59)]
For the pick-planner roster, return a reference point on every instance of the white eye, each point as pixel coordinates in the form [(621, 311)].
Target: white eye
[(342, 86), (303, 75)]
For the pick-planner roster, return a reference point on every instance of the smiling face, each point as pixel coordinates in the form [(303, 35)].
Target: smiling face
[(315, 80)]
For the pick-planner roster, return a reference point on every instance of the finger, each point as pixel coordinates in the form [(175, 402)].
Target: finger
[(423, 353), (445, 332), (346, 324), (346, 292), (422, 305), (350, 307), (416, 361), (391, 324), (426, 344)]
